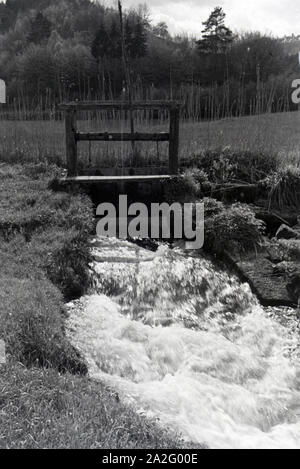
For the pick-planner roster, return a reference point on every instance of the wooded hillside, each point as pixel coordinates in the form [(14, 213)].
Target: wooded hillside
[(56, 50)]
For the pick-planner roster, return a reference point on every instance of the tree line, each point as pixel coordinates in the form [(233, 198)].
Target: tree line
[(60, 50)]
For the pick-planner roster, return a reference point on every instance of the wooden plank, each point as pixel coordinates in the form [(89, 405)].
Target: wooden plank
[(122, 137), (127, 170), (174, 140), (2, 92), (118, 105), (71, 145), (115, 179)]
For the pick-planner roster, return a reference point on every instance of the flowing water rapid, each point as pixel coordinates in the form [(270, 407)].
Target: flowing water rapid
[(190, 345)]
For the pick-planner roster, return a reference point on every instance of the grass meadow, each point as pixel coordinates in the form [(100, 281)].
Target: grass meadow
[(35, 141)]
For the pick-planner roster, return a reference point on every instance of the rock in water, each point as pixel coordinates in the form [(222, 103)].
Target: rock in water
[(285, 232), (293, 287)]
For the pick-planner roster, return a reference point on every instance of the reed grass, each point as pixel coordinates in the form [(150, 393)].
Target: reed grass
[(36, 141)]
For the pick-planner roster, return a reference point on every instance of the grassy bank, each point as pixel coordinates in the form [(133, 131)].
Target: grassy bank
[(42, 409), (46, 401)]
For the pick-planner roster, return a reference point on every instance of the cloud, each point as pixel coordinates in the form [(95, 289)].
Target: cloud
[(268, 16)]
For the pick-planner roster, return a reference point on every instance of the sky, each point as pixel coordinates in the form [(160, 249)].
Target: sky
[(278, 17)]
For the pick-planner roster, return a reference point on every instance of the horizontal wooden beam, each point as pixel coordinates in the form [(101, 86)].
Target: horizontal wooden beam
[(114, 179), (122, 137), (117, 105)]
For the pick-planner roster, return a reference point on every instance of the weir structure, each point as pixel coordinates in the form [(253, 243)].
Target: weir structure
[(73, 136)]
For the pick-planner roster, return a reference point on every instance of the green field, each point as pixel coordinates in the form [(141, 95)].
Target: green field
[(278, 134)]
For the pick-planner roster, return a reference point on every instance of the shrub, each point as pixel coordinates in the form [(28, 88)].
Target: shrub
[(186, 187), (283, 187), (233, 228), (212, 207), (227, 165), (196, 176)]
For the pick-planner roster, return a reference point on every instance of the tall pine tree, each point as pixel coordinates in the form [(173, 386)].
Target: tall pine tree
[(107, 43), (139, 43), (40, 29), (101, 43), (216, 37)]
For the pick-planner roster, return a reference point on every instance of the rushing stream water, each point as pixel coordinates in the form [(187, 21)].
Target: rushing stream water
[(190, 345)]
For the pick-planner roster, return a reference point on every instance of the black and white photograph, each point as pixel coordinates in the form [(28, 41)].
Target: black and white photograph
[(149, 228)]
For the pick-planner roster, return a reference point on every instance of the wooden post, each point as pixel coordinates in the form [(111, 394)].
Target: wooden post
[(71, 144), (127, 73), (174, 140)]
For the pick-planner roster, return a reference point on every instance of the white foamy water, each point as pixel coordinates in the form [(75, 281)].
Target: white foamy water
[(189, 345)]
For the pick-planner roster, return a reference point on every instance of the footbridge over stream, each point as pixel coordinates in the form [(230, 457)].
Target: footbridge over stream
[(73, 137)]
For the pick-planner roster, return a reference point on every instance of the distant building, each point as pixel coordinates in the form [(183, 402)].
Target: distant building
[(2, 92)]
